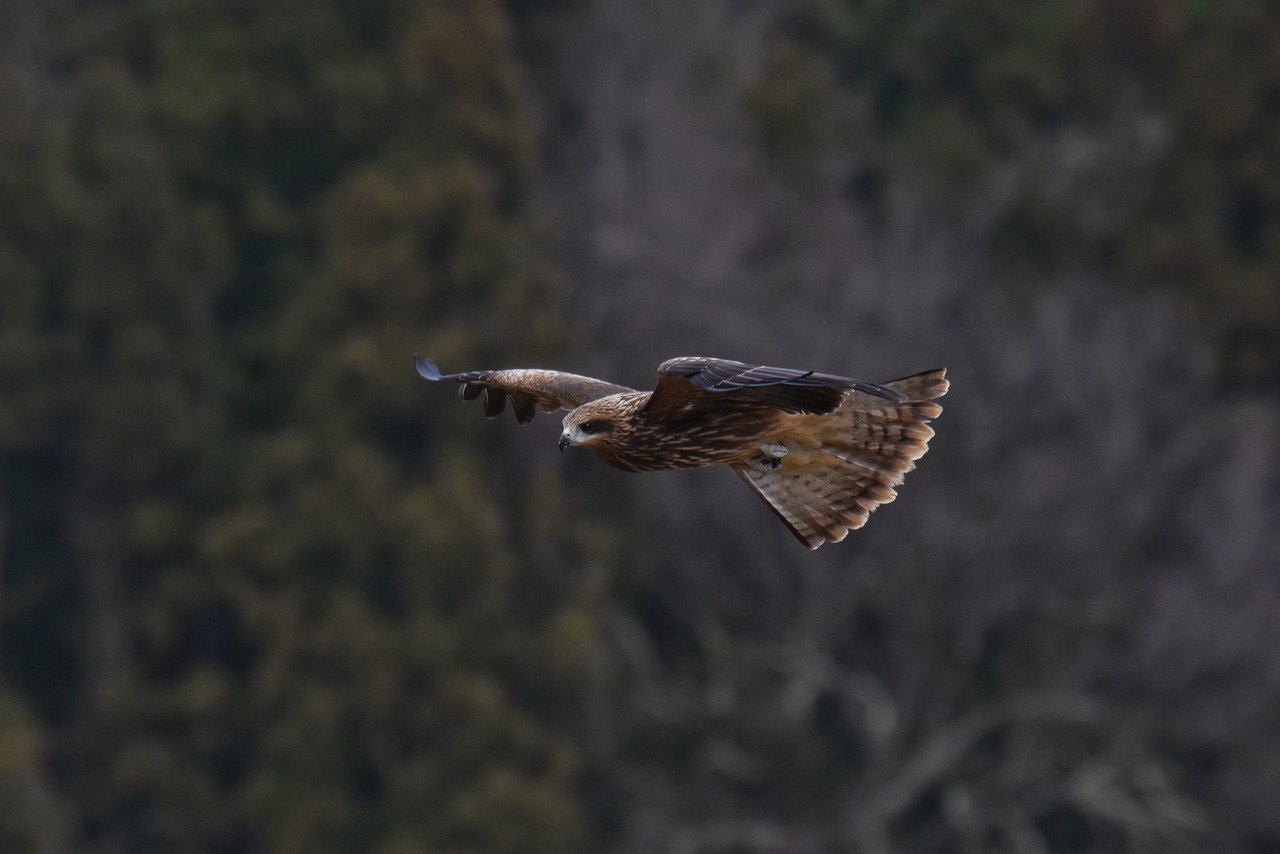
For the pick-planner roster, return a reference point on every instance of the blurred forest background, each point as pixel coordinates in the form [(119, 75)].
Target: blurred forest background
[(263, 590)]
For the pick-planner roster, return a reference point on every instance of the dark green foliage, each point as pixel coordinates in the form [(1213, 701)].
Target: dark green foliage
[(260, 603)]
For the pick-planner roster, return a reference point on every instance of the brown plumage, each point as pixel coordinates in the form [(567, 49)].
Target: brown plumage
[(823, 451)]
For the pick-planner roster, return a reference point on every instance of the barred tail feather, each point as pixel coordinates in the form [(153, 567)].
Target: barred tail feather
[(864, 449), (821, 506)]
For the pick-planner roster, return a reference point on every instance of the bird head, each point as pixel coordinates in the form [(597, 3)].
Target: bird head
[(588, 426)]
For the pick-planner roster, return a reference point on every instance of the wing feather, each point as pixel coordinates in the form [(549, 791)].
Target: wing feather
[(687, 385), (529, 389)]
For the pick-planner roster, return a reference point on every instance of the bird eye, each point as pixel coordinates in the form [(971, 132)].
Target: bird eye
[(590, 427)]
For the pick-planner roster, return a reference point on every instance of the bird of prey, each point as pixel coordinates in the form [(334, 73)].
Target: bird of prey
[(823, 451)]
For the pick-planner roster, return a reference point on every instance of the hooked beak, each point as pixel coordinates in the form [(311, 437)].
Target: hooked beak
[(564, 441)]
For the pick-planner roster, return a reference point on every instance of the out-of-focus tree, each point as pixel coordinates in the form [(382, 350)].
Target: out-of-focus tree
[(258, 603)]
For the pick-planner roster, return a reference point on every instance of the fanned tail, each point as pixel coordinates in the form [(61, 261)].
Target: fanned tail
[(863, 450)]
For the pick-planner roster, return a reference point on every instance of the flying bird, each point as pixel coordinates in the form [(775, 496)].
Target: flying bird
[(822, 451)]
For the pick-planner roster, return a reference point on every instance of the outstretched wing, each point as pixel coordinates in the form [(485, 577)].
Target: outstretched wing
[(694, 386), (529, 389)]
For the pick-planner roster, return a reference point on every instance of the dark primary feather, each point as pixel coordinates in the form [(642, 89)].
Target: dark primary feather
[(528, 389), (682, 382), (495, 400), (725, 375)]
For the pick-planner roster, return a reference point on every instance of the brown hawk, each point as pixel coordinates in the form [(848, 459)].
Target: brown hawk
[(822, 451)]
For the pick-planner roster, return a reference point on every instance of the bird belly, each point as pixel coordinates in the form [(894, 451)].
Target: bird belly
[(726, 442)]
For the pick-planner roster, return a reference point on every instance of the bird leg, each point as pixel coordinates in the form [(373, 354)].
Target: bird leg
[(770, 459)]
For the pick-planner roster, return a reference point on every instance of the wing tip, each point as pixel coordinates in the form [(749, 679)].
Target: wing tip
[(427, 368), (924, 386)]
